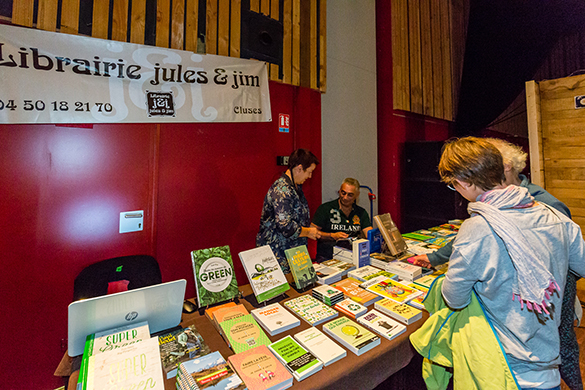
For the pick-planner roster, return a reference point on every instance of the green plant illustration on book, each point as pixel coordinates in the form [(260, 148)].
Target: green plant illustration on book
[(215, 279)]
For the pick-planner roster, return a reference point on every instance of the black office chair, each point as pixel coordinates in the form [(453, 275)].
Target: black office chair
[(118, 273)]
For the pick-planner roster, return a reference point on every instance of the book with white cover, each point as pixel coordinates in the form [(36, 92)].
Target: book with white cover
[(351, 308), (310, 309), (320, 345), (359, 273), (381, 324), (108, 370), (340, 264), (327, 275), (275, 318), (352, 335), (264, 273), (361, 253), (404, 270)]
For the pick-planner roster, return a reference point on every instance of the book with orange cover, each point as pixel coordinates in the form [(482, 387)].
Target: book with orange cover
[(260, 369), (352, 290), (209, 312), (228, 313)]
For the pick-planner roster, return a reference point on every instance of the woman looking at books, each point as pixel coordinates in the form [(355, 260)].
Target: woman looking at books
[(285, 220)]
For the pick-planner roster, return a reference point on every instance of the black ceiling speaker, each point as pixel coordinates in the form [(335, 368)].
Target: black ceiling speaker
[(261, 37)]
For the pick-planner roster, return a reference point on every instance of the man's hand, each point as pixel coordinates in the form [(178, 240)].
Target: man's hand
[(310, 232), (338, 236), (420, 260)]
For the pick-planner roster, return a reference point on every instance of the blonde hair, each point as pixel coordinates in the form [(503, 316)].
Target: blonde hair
[(513, 155), (472, 160)]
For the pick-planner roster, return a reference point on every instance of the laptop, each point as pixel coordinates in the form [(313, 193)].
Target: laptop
[(161, 305)]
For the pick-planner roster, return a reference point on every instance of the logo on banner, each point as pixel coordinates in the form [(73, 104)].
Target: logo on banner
[(283, 123), (160, 103), (579, 101)]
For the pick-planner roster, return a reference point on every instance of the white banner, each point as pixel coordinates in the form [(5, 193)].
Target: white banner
[(49, 77)]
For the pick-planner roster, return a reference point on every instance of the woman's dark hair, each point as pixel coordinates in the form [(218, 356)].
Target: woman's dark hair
[(303, 157)]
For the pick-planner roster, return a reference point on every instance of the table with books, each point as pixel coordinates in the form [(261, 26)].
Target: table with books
[(344, 323)]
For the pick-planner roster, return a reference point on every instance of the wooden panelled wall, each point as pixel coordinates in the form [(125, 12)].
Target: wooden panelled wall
[(304, 27), (557, 140), (428, 44)]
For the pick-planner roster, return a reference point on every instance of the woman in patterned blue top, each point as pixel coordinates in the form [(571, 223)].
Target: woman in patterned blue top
[(285, 220)]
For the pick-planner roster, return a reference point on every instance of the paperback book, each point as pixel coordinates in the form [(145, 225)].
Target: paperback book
[(361, 252), (215, 279), (359, 273), (342, 265), (301, 266), (275, 319), (351, 289), (328, 294), (264, 273), (351, 308), (208, 372), (244, 333), (399, 311), (179, 346), (391, 289), (228, 313), (320, 345), (375, 238), (310, 309), (381, 324), (327, 275), (209, 312), (261, 370), (109, 340), (300, 362), (418, 301), (352, 335), (404, 271), (109, 369), (387, 274)]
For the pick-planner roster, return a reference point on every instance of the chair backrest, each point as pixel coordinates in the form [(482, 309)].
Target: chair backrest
[(131, 271)]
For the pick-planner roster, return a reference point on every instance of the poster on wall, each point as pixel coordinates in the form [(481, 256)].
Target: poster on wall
[(50, 77)]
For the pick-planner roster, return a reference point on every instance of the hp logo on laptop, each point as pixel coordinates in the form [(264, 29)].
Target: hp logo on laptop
[(131, 316)]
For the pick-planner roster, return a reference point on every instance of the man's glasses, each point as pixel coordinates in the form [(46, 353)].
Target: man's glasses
[(449, 186)]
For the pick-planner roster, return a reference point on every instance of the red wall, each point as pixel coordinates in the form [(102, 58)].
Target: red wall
[(63, 188)]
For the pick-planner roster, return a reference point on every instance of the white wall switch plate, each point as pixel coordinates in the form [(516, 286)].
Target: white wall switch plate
[(131, 221)]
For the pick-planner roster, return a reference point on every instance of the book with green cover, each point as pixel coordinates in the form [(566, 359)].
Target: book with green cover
[(244, 333), (264, 273), (301, 266), (215, 279), (300, 362)]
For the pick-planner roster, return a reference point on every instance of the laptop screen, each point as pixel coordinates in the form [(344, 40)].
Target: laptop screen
[(161, 305)]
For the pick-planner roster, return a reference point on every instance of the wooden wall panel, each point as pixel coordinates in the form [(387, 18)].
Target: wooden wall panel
[(120, 20), (47, 18), (304, 54), (100, 19), (562, 139), (137, 25), (428, 42), (69, 16), (178, 25)]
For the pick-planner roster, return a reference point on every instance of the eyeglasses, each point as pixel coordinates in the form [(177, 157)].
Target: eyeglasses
[(449, 186)]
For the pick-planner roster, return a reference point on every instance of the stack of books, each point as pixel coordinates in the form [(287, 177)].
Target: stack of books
[(351, 308), (320, 345), (310, 309), (352, 335), (359, 273), (340, 265), (381, 324), (404, 271), (418, 301), (261, 370), (275, 319), (399, 311), (351, 289), (300, 362), (208, 372), (328, 294), (387, 274), (327, 275)]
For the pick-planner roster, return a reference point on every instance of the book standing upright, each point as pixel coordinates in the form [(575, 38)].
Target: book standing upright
[(215, 279), (264, 273)]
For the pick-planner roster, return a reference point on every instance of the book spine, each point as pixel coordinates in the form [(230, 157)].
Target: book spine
[(87, 352)]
